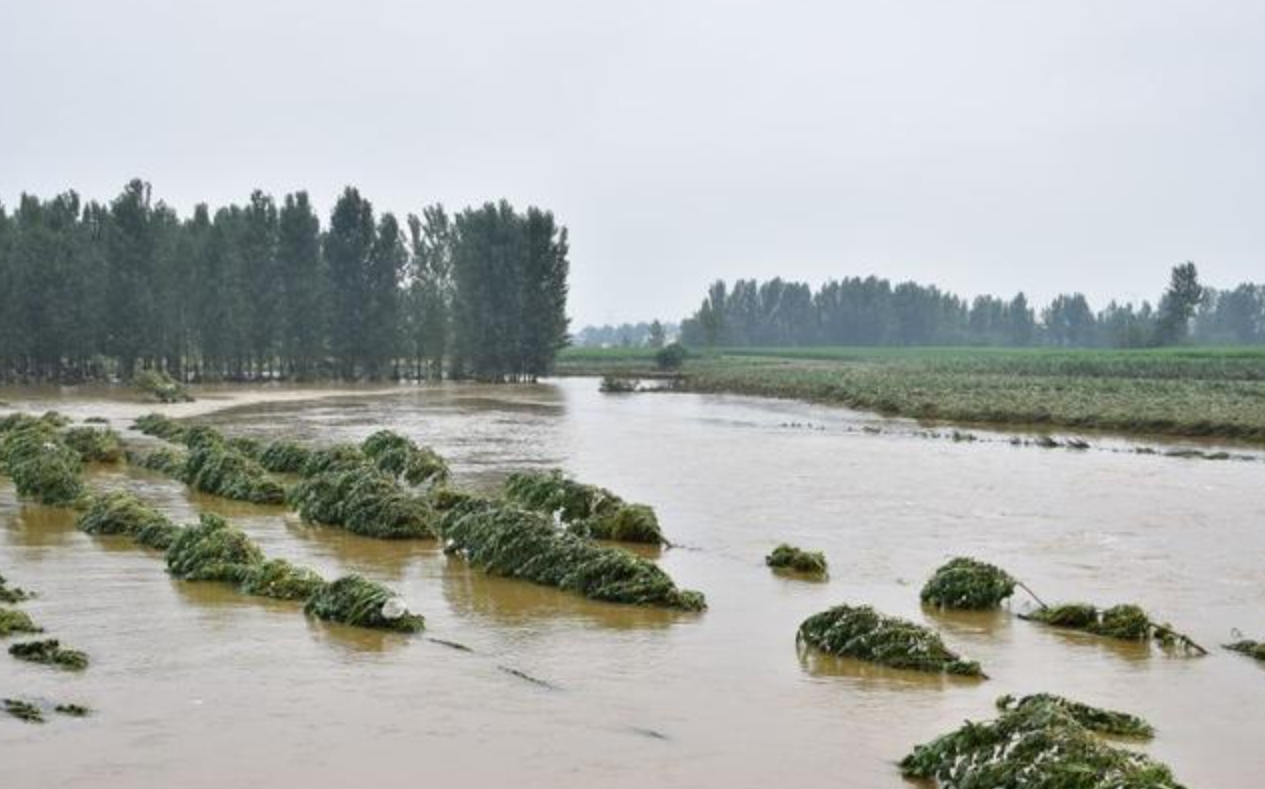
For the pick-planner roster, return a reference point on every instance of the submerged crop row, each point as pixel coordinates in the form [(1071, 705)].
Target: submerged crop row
[(45, 460), (519, 543), (213, 464), (587, 510), (214, 550), (1043, 742)]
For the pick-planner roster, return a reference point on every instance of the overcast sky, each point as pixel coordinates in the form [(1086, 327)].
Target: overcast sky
[(981, 146)]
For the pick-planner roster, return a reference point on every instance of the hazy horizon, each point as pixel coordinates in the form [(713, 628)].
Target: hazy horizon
[(980, 147)]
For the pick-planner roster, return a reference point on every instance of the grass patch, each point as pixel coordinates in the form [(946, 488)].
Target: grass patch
[(1040, 742), (12, 594), (788, 557), (24, 711), (520, 543), (968, 584), (353, 600), (50, 652), (861, 632)]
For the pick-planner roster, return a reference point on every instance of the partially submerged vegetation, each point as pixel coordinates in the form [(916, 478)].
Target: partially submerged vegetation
[(861, 632), (213, 550), (1040, 742), (36, 457), (789, 557), (12, 594), (398, 456), (14, 621), (1253, 649), (353, 600), (966, 583), (50, 652), (362, 500), (284, 457), (520, 543), (161, 387), (213, 464), (1126, 622), (24, 710), (587, 510), (94, 445)]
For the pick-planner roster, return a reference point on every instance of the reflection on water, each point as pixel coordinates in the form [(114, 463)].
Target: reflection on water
[(199, 686)]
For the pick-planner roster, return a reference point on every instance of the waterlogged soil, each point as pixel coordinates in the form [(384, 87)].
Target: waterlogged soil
[(195, 685)]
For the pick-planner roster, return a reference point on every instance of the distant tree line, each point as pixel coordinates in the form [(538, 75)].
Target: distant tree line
[(626, 335), (872, 311), (262, 290)]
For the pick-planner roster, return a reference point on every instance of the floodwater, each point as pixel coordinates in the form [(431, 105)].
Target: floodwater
[(198, 686)]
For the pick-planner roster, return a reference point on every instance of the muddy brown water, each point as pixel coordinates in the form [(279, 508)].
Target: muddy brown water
[(198, 686)]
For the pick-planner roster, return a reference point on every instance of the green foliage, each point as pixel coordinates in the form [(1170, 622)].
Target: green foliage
[(155, 424), (73, 710), (120, 512), (353, 600), (93, 445), (670, 357), (50, 652), (969, 584), (400, 457), (23, 710), (1126, 622), (165, 461), (339, 457), (15, 621), (861, 632), (213, 466), (520, 543), (788, 557), (1039, 742), (362, 500), (279, 579), (588, 510), (161, 387), (1253, 649), (284, 457), (41, 465), (12, 594), (213, 551), (1096, 719)]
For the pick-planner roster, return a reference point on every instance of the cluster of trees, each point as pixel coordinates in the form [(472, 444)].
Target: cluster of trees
[(261, 290), (872, 311), (654, 334)]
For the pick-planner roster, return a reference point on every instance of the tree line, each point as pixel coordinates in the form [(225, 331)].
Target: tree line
[(873, 311), (261, 290)]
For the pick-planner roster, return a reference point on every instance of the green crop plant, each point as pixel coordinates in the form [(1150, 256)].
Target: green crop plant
[(353, 600), (94, 445), (15, 621), (213, 550), (969, 584), (40, 463), (520, 543), (12, 594), (588, 510), (1126, 622), (1253, 649), (788, 557), (23, 710), (160, 426), (279, 579), (160, 386), (119, 512), (398, 456), (861, 632), (50, 652), (213, 466), (363, 500), (284, 457), (1040, 742)]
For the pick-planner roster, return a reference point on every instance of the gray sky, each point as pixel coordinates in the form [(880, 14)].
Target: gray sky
[(982, 146)]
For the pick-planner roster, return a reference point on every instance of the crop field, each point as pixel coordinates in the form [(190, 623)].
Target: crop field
[(1191, 392)]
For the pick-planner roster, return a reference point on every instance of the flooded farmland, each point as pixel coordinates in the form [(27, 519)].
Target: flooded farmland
[(196, 685)]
